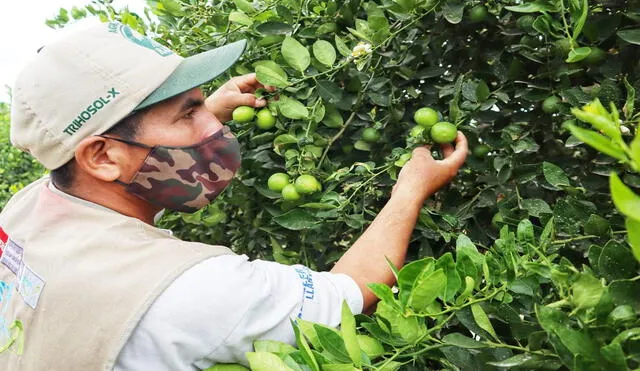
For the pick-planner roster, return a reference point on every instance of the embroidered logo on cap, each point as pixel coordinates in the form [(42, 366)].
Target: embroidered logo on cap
[(139, 39)]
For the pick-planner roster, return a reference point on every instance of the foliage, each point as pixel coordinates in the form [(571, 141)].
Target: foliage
[(17, 168), (549, 281)]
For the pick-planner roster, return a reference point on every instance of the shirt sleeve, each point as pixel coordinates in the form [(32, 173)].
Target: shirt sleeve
[(215, 311)]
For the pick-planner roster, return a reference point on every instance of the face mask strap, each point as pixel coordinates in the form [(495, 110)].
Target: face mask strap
[(127, 142)]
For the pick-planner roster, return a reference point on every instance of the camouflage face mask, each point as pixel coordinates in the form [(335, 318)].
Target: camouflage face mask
[(186, 178)]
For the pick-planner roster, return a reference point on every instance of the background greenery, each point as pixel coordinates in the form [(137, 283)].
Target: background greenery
[(522, 262)]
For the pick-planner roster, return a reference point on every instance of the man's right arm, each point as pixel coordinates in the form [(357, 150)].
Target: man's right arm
[(388, 235)]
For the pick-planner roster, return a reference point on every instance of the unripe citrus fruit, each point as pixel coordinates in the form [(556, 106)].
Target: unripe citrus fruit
[(370, 135), (290, 193), (551, 104), (277, 181), (596, 55), (306, 184), (417, 131), (243, 114), (265, 120), (478, 13), (443, 132), (481, 150), (426, 117)]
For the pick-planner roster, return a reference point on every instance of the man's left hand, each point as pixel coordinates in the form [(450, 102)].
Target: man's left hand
[(239, 91)]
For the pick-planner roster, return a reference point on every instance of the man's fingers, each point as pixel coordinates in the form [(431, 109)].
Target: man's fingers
[(447, 149), (247, 83), (457, 157), (422, 152), (246, 99)]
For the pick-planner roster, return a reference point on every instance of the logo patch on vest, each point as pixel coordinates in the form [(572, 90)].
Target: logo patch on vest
[(12, 257), (30, 287)]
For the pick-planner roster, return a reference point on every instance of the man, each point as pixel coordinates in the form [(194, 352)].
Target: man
[(89, 283)]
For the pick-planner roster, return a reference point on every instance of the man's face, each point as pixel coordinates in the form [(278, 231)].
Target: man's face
[(180, 121)]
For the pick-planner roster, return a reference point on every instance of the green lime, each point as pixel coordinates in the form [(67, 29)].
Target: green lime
[(306, 184), (443, 132), (290, 193), (417, 131), (478, 13), (551, 104), (426, 117), (243, 114), (277, 181), (564, 46), (595, 57), (481, 151), (371, 346), (525, 23), (370, 135), (265, 120)]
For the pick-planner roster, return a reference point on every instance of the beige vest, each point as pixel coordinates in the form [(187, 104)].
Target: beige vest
[(84, 278)]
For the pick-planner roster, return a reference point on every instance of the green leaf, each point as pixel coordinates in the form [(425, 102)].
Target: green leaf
[(338, 367), (273, 346), (332, 343), (529, 362), (631, 36), (548, 233), (578, 54), (342, 46), (329, 91), (274, 28), (459, 340), (297, 219), (245, 6), (411, 329), (308, 330), (305, 350), (614, 354), (453, 281), (332, 117), (265, 361), (534, 7), (227, 367), (348, 329), (587, 291), (597, 225), (382, 291), (240, 18), (555, 175), (292, 108), (597, 141), (536, 207), (295, 54), (579, 23), (482, 320), (426, 289), (324, 52), (635, 149), (464, 247), (616, 261), (269, 77), (630, 102), (453, 11), (410, 273), (633, 231), (623, 197), (525, 232)]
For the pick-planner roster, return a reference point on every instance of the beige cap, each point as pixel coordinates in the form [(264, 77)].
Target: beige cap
[(86, 81)]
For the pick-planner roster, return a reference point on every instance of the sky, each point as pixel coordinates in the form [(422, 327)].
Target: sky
[(22, 31)]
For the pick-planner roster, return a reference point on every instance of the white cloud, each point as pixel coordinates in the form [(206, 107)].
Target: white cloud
[(23, 31)]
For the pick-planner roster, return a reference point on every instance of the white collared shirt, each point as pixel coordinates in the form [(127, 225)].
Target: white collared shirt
[(215, 310)]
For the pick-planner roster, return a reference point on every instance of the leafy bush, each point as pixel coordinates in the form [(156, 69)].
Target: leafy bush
[(17, 168), (523, 261)]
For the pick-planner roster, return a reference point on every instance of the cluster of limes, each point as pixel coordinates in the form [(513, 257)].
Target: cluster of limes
[(430, 126), (303, 185), (265, 120)]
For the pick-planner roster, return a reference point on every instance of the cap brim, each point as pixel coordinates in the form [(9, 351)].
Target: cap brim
[(195, 71)]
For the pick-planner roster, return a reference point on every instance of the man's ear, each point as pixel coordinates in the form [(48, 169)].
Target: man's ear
[(101, 158)]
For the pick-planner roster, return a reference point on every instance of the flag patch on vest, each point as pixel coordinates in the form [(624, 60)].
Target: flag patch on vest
[(3, 240), (12, 257), (30, 287)]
